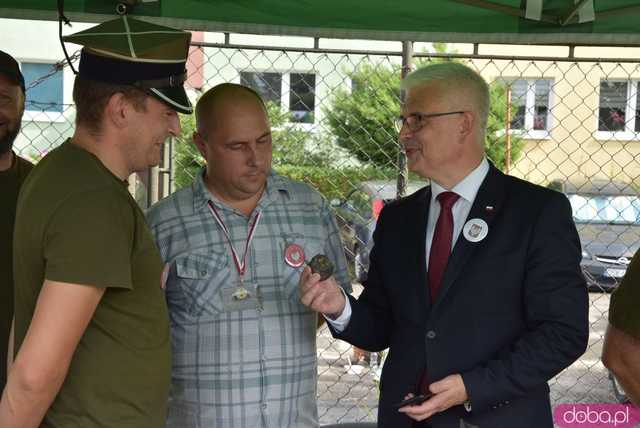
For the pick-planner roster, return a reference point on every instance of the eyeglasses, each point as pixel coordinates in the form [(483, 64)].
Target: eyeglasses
[(415, 121)]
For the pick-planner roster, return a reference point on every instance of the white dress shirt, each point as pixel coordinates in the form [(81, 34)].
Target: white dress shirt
[(467, 189)]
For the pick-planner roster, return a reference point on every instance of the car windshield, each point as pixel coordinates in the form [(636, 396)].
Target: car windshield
[(605, 209)]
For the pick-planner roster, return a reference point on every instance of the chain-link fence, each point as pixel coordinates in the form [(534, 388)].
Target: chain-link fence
[(570, 123)]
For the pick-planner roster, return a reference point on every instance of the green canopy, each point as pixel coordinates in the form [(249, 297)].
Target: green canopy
[(581, 22)]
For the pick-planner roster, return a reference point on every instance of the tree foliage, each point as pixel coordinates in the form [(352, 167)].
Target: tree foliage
[(361, 119), (496, 139), (187, 160)]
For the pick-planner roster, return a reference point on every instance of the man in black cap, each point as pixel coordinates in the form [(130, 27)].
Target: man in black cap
[(13, 171), (91, 323)]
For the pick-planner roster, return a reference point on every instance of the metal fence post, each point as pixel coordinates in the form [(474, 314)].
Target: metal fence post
[(507, 127), (403, 171), (152, 186)]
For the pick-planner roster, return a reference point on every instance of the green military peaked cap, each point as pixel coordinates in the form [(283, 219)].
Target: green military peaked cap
[(133, 52)]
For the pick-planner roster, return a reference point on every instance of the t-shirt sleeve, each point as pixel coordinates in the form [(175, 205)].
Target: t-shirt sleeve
[(625, 301), (89, 240)]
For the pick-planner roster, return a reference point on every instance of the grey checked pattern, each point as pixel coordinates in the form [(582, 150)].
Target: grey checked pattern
[(250, 368)]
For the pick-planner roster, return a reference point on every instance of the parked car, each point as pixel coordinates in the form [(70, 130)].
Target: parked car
[(607, 216), (357, 215)]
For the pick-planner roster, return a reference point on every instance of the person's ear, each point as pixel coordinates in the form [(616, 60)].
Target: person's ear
[(467, 123), (201, 143), (118, 111)]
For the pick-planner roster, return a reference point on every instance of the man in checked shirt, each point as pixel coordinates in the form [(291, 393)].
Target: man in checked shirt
[(236, 241)]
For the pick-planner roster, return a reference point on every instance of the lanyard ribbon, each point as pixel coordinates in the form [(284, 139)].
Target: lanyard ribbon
[(241, 265)]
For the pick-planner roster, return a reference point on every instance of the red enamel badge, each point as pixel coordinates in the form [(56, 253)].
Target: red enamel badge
[(294, 255)]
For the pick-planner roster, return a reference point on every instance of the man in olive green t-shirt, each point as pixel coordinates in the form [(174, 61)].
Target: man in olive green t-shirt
[(13, 171), (91, 323), (621, 351)]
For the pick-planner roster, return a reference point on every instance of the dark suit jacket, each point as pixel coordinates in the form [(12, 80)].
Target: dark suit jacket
[(512, 310)]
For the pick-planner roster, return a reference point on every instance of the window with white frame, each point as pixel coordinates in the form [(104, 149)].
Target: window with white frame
[(532, 99), (619, 109), (47, 95), (299, 99)]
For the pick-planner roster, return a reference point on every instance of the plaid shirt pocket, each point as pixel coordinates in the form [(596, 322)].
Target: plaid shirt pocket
[(201, 277)]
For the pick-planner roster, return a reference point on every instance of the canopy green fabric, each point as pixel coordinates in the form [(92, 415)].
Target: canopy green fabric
[(605, 22)]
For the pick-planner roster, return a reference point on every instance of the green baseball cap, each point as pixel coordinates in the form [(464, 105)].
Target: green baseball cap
[(128, 51)]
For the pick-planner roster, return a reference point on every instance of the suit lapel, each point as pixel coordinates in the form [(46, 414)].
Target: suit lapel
[(486, 205), (417, 236)]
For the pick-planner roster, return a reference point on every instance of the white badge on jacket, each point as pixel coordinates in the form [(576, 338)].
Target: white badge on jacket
[(475, 230)]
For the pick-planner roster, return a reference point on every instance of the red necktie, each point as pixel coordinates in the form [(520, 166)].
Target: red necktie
[(441, 243), (439, 255)]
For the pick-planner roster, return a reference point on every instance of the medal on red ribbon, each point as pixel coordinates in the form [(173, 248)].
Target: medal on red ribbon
[(294, 255), (241, 292)]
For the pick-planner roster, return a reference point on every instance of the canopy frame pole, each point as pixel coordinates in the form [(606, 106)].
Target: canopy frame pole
[(617, 11)]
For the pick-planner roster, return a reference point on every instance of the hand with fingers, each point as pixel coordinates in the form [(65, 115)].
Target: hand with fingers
[(321, 296), (447, 393)]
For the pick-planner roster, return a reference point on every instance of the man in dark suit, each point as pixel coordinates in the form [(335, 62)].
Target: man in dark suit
[(474, 282)]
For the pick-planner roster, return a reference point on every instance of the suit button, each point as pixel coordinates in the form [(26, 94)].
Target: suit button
[(431, 334)]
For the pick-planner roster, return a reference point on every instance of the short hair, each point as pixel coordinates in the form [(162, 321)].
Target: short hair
[(91, 98), (210, 98), (455, 76)]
